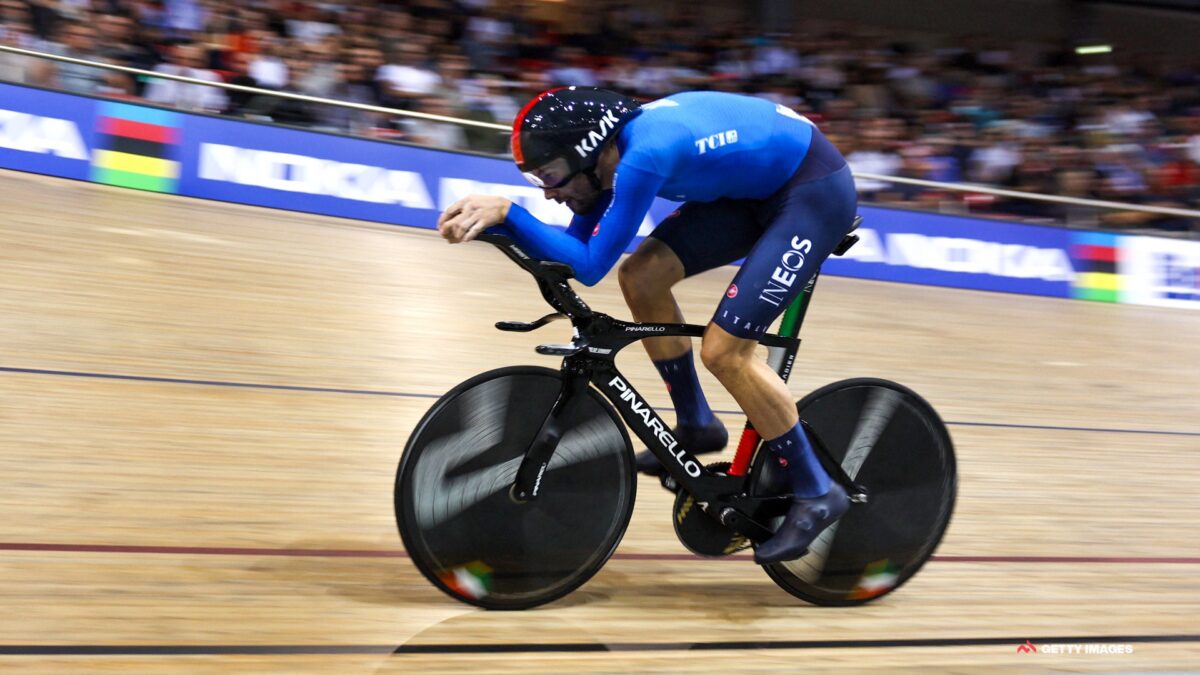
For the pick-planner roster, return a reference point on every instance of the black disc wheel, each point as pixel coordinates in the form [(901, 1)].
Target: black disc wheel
[(459, 522), (891, 443)]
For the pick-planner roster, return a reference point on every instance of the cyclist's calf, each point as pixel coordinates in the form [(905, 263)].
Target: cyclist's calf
[(757, 388)]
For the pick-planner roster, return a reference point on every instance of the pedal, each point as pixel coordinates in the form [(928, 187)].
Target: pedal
[(668, 482)]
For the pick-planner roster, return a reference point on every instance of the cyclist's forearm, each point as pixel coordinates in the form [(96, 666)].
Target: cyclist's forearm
[(633, 193), (551, 243)]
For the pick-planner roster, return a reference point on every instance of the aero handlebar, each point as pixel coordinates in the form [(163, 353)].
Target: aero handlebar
[(552, 278)]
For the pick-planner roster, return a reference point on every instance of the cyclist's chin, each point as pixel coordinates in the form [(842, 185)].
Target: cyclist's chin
[(582, 205)]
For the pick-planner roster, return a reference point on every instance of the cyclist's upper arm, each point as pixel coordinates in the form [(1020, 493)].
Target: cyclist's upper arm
[(633, 192)]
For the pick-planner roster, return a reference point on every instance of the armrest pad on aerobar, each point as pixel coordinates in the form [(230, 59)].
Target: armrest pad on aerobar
[(563, 269), (493, 238)]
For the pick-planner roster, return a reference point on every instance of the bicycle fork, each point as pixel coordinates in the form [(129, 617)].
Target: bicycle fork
[(533, 466)]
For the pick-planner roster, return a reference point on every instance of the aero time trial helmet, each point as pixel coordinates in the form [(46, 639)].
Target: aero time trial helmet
[(561, 132)]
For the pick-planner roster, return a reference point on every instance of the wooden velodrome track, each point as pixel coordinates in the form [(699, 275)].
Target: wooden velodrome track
[(202, 406)]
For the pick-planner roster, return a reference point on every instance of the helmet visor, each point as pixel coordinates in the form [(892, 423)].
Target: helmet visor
[(551, 175)]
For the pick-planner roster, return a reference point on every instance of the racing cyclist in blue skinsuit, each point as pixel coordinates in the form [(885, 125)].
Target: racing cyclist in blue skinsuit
[(757, 180)]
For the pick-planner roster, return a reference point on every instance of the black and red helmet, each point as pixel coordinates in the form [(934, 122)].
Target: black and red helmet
[(571, 124)]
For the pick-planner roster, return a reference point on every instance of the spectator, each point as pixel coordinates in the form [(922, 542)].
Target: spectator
[(16, 31), (78, 40), (188, 61), (439, 134), (349, 86), (406, 79), (453, 71), (311, 26), (995, 162), (571, 68), (874, 153), (268, 67), (238, 69), (1019, 115), (489, 36)]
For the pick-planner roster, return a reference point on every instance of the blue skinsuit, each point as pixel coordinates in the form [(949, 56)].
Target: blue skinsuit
[(740, 163)]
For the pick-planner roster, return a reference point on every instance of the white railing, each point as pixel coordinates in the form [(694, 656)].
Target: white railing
[(255, 90), (950, 187)]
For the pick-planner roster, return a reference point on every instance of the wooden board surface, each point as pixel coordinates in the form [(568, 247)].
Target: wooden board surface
[(202, 406)]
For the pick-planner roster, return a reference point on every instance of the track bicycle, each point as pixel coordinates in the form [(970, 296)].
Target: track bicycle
[(517, 485)]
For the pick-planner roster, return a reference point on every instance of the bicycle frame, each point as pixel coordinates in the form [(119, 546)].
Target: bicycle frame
[(589, 359)]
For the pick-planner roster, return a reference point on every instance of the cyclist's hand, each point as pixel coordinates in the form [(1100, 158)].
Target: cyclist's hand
[(468, 217)]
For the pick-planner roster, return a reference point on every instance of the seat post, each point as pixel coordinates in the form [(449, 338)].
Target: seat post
[(793, 316)]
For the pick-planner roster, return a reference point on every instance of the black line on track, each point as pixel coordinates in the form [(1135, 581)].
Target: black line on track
[(215, 383), (401, 394), (649, 557), (572, 647)]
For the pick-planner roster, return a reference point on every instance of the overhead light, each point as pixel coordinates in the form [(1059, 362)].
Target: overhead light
[(1093, 49)]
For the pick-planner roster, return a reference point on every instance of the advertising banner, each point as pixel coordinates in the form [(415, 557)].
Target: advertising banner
[(938, 250), (264, 165), (1162, 272), (45, 132)]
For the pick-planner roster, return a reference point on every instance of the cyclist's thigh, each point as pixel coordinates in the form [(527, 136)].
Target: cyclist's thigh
[(803, 224), (707, 235)]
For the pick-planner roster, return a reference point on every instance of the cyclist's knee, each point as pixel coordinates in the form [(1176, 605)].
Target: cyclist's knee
[(646, 274), (724, 354)]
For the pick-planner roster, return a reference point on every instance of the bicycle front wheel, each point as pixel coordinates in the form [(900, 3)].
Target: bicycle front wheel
[(458, 522), (891, 442)]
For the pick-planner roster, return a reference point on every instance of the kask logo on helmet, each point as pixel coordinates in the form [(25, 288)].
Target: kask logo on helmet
[(596, 136)]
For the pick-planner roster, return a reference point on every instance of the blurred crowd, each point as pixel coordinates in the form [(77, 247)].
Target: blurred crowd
[(1036, 118)]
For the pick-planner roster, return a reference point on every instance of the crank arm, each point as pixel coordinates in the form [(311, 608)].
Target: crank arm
[(743, 525)]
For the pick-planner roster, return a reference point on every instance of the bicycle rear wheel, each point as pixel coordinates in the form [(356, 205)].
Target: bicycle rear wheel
[(891, 442), (457, 520)]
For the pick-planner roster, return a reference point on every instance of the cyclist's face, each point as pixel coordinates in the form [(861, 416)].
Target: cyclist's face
[(553, 174), (564, 187), (578, 194)]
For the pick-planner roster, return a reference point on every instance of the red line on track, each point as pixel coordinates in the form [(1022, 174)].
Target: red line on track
[(395, 553)]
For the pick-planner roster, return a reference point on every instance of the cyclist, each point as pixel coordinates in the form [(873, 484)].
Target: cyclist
[(757, 180)]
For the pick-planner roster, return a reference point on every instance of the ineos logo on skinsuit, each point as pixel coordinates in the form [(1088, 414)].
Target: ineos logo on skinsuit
[(596, 136), (785, 276)]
